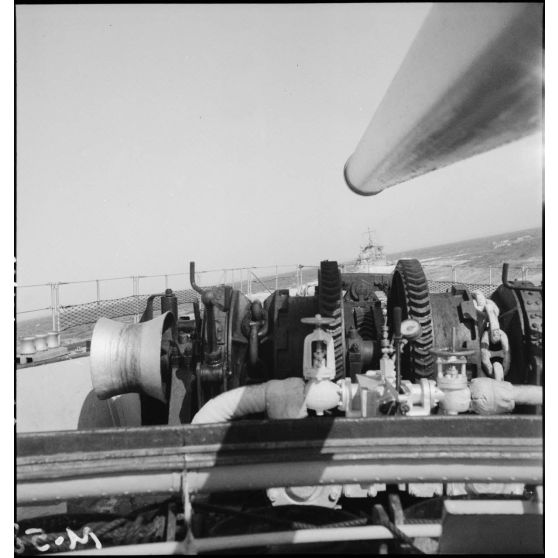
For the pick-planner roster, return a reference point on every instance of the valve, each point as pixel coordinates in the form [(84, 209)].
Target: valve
[(318, 367), (452, 377), (420, 398), (319, 351)]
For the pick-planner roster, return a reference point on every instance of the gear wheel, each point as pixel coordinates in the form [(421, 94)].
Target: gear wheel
[(330, 304), (409, 291)]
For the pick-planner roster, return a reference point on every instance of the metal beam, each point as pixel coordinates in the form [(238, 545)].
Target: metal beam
[(312, 451), (259, 434), (471, 81)]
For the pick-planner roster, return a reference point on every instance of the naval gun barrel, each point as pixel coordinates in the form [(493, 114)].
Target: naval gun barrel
[(471, 81)]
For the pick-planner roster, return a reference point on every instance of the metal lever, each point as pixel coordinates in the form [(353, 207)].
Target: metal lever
[(148, 312), (208, 299)]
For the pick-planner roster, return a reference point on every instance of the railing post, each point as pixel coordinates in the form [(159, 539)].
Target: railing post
[(53, 306), (453, 274), (276, 278), (134, 294), (98, 292), (523, 273), (490, 275), (57, 306)]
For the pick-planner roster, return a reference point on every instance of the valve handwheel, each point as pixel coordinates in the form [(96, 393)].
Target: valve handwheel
[(318, 320)]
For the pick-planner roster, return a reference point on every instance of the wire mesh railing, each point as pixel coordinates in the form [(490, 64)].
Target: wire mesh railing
[(88, 313)]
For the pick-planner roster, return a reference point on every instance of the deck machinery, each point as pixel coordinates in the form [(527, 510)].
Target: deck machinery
[(398, 418)]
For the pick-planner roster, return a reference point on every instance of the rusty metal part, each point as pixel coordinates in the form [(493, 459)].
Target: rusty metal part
[(471, 81)]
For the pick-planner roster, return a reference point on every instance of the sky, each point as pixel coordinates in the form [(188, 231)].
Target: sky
[(149, 136)]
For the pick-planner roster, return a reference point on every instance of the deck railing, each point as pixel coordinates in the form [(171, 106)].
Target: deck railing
[(76, 303)]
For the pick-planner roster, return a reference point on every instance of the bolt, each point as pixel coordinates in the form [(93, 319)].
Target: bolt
[(334, 495)]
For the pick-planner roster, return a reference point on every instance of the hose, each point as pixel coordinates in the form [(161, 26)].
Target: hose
[(491, 397), (281, 399)]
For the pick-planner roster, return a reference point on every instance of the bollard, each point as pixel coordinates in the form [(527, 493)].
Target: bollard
[(41, 342), (53, 339), (27, 346)]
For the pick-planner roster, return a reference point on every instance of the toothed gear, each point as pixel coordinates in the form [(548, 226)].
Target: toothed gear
[(409, 291), (330, 303)]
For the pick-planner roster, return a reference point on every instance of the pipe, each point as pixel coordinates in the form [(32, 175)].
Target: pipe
[(147, 549), (193, 279), (226, 478), (269, 475), (29, 493), (528, 395), (305, 536), (470, 82), (299, 536)]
